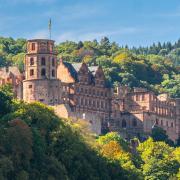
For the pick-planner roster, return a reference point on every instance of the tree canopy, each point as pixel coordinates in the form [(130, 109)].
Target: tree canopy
[(156, 67), (36, 144)]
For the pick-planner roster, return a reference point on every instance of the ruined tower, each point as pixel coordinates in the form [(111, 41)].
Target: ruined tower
[(41, 83)]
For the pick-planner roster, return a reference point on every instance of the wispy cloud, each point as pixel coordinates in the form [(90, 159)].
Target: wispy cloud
[(79, 35)]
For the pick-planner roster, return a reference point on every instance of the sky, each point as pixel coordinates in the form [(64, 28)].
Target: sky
[(131, 22)]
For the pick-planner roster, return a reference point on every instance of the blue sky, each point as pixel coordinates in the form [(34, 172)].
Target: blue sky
[(132, 22)]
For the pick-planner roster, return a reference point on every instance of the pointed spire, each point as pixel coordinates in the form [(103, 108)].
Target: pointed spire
[(49, 27)]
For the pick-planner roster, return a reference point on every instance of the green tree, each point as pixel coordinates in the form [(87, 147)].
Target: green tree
[(158, 162)]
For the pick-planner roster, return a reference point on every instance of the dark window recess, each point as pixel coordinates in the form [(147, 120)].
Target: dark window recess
[(97, 104), (123, 123), (32, 61), (33, 46), (31, 72), (134, 122), (53, 73), (43, 61), (41, 100), (30, 86), (43, 72), (53, 62), (157, 121)]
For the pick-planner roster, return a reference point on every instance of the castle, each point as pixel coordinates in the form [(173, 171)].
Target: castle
[(80, 92)]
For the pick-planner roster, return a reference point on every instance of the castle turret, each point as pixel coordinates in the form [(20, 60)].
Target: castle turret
[(40, 60), (41, 82)]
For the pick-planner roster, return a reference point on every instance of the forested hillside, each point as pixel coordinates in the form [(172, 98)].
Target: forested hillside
[(156, 67), (36, 144)]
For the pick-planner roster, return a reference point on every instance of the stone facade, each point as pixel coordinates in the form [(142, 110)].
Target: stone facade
[(12, 75), (80, 92)]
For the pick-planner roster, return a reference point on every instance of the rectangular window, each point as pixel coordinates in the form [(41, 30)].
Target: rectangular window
[(85, 102), (30, 86), (97, 104), (82, 102), (77, 89), (53, 73), (102, 104), (33, 46), (89, 102), (43, 61), (31, 72), (53, 62)]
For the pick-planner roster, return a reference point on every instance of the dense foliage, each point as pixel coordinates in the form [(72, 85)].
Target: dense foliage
[(156, 67), (36, 144)]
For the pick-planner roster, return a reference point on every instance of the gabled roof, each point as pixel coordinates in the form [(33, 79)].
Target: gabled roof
[(75, 67)]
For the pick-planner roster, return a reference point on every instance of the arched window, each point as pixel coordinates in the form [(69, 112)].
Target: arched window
[(43, 61), (53, 73), (31, 72), (123, 123), (43, 72), (53, 62), (134, 123), (32, 61)]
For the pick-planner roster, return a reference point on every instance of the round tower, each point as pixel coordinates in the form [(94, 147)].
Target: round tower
[(40, 60), (41, 82)]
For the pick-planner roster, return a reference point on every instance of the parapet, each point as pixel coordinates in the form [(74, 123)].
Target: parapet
[(40, 46)]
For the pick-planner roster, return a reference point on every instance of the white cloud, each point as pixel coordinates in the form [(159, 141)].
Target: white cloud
[(79, 35)]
